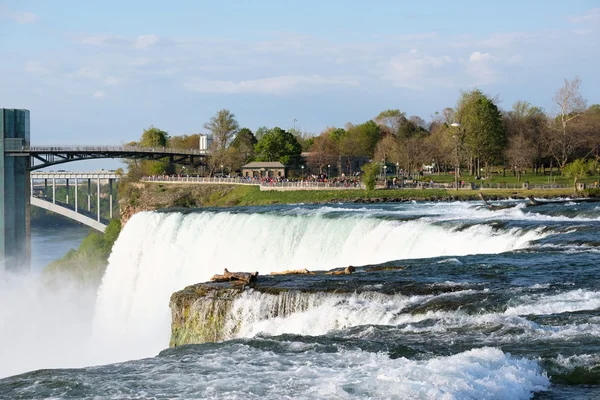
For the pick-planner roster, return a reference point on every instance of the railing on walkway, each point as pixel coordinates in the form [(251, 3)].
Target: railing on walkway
[(200, 179), (342, 184), (17, 147), (257, 182)]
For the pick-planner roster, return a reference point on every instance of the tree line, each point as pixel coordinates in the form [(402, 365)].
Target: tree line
[(473, 136)]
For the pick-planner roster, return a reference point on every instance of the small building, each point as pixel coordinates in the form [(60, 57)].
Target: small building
[(264, 169)]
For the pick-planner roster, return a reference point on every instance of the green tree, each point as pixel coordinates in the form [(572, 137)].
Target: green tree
[(154, 137), (185, 141), (241, 150), (278, 145), (369, 177), (578, 169), (481, 122), (223, 127), (360, 140)]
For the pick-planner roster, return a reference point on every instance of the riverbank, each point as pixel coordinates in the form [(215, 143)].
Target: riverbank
[(151, 196)]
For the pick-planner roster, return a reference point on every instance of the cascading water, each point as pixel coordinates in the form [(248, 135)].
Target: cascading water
[(490, 304), (160, 253)]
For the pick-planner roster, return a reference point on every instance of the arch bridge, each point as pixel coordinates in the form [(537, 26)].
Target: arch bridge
[(20, 159), (44, 195)]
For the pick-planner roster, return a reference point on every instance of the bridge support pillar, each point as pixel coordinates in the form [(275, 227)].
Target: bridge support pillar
[(67, 191), (98, 204), (15, 238), (110, 197), (54, 190), (76, 190), (89, 195)]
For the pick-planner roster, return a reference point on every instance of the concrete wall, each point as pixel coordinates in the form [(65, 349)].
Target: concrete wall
[(15, 252)]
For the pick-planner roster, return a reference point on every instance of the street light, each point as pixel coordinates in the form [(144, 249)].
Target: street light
[(328, 173), (456, 167), (397, 170), (294, 120), (302, 172), (222, 173)]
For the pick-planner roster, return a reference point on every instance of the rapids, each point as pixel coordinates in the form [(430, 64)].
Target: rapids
[(491, 304)]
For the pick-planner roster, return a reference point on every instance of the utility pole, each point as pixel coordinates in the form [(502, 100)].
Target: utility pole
[(294, 120)]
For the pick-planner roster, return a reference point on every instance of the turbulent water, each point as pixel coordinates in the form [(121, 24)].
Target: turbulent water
[(490, 305)]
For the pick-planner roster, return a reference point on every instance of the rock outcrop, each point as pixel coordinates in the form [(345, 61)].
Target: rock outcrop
[(204, 312)]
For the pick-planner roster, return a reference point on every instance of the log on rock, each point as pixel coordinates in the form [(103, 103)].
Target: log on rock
[(292, 272), (347, 271), (245, 277)]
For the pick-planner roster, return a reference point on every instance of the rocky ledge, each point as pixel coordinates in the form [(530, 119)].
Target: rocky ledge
[(204, 312)]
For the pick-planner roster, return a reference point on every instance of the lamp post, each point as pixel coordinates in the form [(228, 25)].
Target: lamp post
[(397, 170), (294, 120), (328, 172), (222, 171), (302, 172), (456, 167)]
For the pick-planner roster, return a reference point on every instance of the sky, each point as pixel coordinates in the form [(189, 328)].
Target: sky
[(99, 73)]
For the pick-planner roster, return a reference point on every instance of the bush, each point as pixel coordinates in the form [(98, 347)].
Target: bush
[(370, 172)]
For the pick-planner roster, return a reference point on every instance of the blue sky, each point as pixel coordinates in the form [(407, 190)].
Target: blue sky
[(101, 72)]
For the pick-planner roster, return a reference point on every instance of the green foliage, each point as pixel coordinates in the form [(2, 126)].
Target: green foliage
[(154, 137), (481, 123), (337, 134), (578, 169), (185, 141), (369, 178), (278, 145), (89, 261), (223, 127), (360, 140)]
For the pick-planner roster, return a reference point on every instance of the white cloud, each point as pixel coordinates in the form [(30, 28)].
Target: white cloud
[(34, 67), (88, 72), (111, 80), (479, 57), (22, 17), (275, 85), (103, 40), (145, 41), (414, 71), (480, 69), (99, 95), (590, 16)]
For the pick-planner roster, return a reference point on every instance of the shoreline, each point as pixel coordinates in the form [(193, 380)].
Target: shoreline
[(148, 196)]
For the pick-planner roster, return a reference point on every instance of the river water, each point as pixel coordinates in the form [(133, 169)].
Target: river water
[(498, 304)]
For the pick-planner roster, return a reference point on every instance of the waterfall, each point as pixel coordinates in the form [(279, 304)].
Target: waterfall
[(160, 253)]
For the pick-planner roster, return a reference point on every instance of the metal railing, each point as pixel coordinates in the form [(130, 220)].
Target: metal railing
[(254, 181), (16, 147), (200, 179)]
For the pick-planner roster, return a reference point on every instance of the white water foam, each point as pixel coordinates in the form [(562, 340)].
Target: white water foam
[(574, 300), (485, 373), (160, 253), (319, 313)]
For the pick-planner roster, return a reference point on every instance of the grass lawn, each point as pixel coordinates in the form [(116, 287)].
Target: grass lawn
[(251, 195), (510, 179)]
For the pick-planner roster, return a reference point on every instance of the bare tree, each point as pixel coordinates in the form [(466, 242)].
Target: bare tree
[(520, 152), (564, 141)]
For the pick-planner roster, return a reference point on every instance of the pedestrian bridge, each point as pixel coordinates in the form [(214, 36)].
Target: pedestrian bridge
[(84, 195)]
